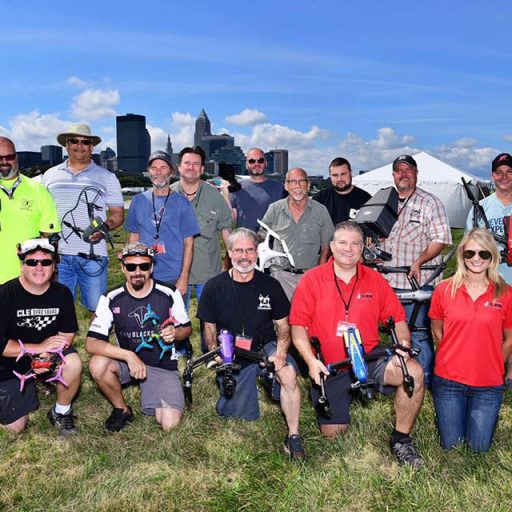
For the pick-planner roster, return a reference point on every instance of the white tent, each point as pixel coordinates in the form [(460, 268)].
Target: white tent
[(434, 176)]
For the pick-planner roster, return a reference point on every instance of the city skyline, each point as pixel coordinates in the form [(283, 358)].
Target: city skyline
[(322, 79)]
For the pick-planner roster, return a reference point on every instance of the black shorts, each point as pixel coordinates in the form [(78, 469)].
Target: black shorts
[(14, 404), (340, 394)]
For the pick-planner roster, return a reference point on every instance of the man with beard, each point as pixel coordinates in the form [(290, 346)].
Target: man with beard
[(165, 221), (251, 202), (27, 210), (147, 318), (251, 306), (343, 199), (84, 191), (305, 226), (419, 235)]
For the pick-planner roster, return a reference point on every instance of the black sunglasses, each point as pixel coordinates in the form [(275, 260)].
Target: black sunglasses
[(485, 255), (33, 263), (254, 160), (131, 267), (84, 142)]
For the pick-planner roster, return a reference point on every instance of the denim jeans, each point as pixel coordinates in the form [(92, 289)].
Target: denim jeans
[(199, 291), (422, 339), (466, 413), (89, 275)]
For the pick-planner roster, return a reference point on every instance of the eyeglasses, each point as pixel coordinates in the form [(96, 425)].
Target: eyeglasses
[(253, 161), (33, 263), (84, 142), (300, 183), (131, 267), (9, 157), (469, 254), (500, 174), (409, 170), (239, 252)]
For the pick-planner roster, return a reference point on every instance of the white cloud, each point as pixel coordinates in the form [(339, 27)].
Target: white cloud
[(75, 81), (158, 137), (95, 104), (508, 138), (182, 130), (247, 117)]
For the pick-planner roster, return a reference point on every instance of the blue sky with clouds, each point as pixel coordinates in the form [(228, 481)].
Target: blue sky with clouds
[(367, 80)]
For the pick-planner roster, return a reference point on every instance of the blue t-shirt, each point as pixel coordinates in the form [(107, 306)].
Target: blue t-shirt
[(252, 201), (164, 227)]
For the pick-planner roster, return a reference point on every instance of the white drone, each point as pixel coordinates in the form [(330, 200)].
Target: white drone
[(265, 253)]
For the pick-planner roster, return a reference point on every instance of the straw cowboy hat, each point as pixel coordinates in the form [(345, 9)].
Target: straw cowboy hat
[(81, 130)]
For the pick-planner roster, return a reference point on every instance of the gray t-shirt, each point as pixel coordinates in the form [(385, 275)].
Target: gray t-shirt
[(213, 216)]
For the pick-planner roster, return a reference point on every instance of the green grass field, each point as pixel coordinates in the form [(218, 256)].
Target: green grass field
[(208, 463)]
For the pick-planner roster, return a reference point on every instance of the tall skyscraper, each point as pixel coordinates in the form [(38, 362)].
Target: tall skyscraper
[(51, 155), (277, 161), (168, 147), (203, 128), (133, 143)]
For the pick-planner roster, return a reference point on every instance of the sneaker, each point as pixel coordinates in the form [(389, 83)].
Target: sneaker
[(118, 419), (65, 422), (294, 447), (406, 453)]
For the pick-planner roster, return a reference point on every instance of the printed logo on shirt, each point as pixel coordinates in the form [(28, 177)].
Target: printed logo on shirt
[(36, 318), (26, 204), (365, 295), (264, 304), (116, 310), (415, 216), (493, 304), (142, 314)]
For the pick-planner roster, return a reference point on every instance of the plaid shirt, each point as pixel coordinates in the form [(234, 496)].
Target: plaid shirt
[(422, 219)]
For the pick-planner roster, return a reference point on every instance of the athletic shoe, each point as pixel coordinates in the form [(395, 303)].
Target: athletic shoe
[(118, 419), (406, 453), (65, 422), (294, 447)]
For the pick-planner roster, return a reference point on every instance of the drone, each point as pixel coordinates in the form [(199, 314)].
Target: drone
[(265, 253)]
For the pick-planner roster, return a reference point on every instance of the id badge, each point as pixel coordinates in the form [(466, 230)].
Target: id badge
[(344, 327), (244, 342), (159, 248)]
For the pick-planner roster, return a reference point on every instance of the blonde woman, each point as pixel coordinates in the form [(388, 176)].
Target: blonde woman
[(471, 315)]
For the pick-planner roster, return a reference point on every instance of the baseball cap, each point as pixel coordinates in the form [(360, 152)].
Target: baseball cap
[(502, 159), (160, 155), (35, 244), (405, 159), (136, 249)]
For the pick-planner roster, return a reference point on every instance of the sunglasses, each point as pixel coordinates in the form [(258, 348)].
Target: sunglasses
[(485, 255), (9, 157), (131, 267), (253, 161), (33, 263), (84, 142)]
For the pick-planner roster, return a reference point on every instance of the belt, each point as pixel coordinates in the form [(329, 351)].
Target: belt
[(294, 271)]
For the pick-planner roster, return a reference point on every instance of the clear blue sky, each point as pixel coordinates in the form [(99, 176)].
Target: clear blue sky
[(366, 80)]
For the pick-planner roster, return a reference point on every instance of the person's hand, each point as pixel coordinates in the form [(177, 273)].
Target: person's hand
[(279, 360), (52, 344), (181, 285), (405, 355), (415, 271), (316, 368), (168, 334), (136, 366)]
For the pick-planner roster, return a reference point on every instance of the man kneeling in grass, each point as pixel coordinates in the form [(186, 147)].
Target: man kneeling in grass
[(145, 351)]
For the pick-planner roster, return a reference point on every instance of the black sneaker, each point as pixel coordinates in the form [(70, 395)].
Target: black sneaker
[(406, 453), (294, 448), (65, 422), (118, 419)]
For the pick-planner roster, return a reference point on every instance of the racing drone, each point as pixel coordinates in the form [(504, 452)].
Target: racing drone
[(228, 353), (357, 362), (266, 254)]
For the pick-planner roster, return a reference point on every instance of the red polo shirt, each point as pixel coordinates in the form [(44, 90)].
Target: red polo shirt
[(318, 307), (470, 351)]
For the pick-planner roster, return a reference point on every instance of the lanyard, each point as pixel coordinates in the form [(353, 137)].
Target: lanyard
[(158, 219), (249, 296), (346, 304), (405, 204), (10, 192)]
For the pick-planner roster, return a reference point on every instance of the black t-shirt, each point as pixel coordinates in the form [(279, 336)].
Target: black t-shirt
[(32, 318), (244, 308), (135, 320), (339, 205)]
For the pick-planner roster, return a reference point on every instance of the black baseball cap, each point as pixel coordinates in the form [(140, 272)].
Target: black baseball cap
[(502, 159), (405, 159), (160, 155)]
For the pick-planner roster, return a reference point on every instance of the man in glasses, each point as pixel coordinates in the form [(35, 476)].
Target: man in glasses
[(496, 207), (27, 210), (89, 203), (38, 323), (165, 221), (419, 235), (251, 305), (147, 318), (251, 202), (306, 227), (342, 199)]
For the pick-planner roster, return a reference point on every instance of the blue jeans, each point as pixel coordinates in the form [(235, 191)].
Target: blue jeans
[(422, 339), (89, 275), (199, 291), (466, 413)]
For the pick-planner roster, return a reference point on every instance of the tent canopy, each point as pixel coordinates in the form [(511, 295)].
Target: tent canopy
[(434, 176)]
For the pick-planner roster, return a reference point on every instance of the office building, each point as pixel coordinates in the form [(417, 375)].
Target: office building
[(203, 128), (51, 155), (277, 161), (133, 143)]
